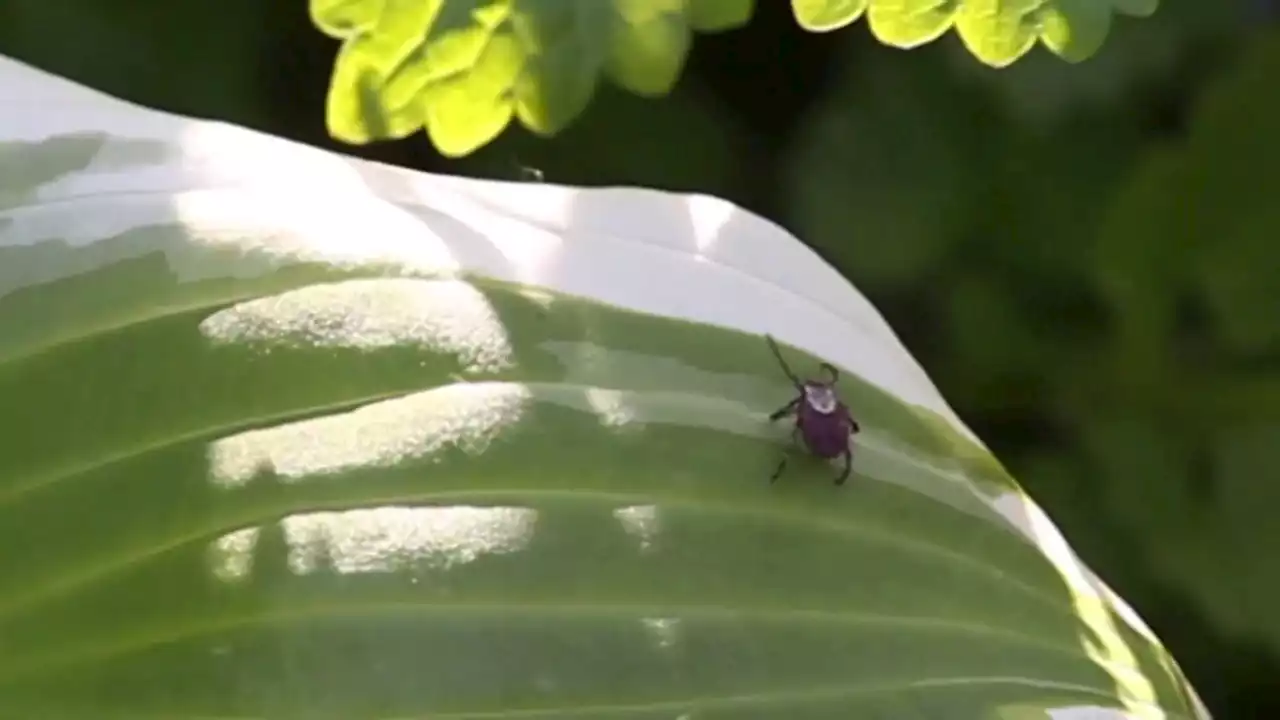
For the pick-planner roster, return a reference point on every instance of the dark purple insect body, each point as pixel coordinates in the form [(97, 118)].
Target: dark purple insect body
[(823, 422)]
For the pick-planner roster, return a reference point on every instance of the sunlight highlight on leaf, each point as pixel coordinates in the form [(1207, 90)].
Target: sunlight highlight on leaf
[(444, 316), (641, 521), (1090, 599), (390, 539), (410, 428), (232, 554)]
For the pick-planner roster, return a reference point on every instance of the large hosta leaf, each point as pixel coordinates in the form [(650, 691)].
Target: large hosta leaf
[(290, 435)]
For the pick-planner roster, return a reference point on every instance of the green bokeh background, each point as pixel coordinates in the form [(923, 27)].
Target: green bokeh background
[(1086, 258)]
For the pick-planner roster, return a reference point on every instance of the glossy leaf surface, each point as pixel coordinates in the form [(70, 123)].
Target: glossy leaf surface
[(287, 434)]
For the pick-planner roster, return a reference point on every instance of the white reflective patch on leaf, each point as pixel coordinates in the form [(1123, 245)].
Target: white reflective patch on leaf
[(386, 539), (411, 428), (442, 315)]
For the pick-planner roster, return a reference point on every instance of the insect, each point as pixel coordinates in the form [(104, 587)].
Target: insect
[(822, 420)]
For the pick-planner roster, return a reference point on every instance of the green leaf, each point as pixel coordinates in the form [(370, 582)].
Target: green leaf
[(462, 69), (1074, 29), (649, 45), (343, 18), (289, 434), (1138, 8), (910, 23), (998, 32), (825, 15), (1043, 90)]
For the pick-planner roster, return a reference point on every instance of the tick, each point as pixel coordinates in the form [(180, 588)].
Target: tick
[(823, 422)]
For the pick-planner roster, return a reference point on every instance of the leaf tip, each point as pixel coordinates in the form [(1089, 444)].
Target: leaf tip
[(457, 130), (827, 15)]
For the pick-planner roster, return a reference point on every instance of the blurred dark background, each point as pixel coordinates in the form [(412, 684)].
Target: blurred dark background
[(1084, 257)]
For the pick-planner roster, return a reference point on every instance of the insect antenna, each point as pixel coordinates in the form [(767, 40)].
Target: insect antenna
[(832, 373), (773, 345)]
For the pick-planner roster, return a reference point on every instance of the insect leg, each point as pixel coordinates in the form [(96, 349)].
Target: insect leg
[(782, 464), (784, 410), (777, 473), (773, 345), (833, 375), (848, 467)]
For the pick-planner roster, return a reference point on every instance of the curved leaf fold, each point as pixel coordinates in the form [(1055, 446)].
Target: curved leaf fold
[(289, 434)]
